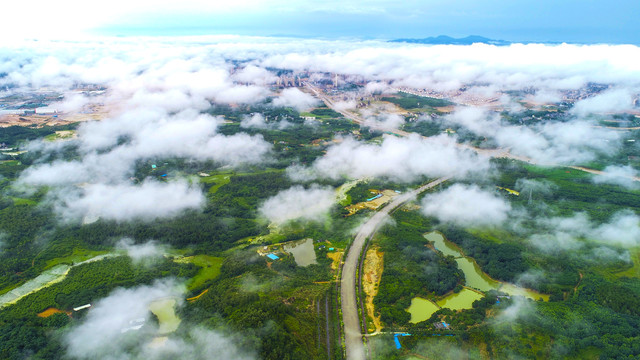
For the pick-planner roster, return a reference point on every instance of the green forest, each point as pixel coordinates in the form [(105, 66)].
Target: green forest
[(280, 310)]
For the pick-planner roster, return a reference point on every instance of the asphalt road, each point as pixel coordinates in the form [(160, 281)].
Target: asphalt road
[(353, 335)]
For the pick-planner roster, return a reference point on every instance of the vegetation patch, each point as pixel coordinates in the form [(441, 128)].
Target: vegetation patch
[(209, 269)]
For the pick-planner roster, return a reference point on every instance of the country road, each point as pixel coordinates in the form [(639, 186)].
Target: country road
[(353, 334)]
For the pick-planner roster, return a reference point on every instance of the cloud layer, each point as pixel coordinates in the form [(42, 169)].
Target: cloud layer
[(125, 202), (109, 331), (399, 159), (467, 206), (573, 233), (297, 202)]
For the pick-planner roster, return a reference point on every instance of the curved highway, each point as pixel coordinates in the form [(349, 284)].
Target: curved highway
[(353, 334)]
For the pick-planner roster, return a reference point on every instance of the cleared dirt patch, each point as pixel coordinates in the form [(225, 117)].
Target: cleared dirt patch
[(384, 197), (372, 273), (336, 257), (51, 311)]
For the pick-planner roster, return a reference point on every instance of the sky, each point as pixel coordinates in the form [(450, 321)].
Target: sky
[(583, 21)]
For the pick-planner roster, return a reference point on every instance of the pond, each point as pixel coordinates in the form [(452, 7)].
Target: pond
[(446, 247), (164, 309), (421, 309), (302, 251), (516, 290), (462, 300), (475, 277)]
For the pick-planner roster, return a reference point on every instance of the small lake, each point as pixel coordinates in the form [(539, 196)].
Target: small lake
[(302, 251), (516, 290), (475, 277), (442, 245), (462, 300), (421, 309), (164, 309)]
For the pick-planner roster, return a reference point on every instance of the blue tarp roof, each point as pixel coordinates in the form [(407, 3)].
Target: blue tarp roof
[(395, 338), (272, 257)]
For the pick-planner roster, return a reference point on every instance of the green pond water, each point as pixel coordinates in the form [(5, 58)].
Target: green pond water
[(164, 309), (441, 244), (422, 309), (302, 251), (516, 290), (475, 277), (462, 300)]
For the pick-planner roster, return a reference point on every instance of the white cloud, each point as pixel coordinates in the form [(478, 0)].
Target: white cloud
[(608, 101), (547, 96), (520, 307), (296, 99), (622, 230), (376, 87), (107, 163), (548, 142), (256, 75), (144, 253), (400, 159), (476, 119), (102, 334), (518, 66), (71, 103), (574, 232), (467, 206), (345, 105), (253, 121), (125, 202), (619, 175), (297, 202), (384, 122)]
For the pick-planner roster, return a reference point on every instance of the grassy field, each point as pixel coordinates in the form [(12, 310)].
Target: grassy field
[(78, 255), (10, 162), (60, 135), (496, 235), (633, 272), (21, 201), (219, 180), (210, 269)]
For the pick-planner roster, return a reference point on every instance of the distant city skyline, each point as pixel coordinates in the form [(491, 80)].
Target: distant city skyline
[(584, 21)]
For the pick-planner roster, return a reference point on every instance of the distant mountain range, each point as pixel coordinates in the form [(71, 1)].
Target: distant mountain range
[(448, 40)]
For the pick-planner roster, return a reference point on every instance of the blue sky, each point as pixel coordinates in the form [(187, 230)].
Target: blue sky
[(587, 21)]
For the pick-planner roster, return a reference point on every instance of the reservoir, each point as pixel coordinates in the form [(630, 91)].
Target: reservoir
[(164, 310), (302, 251), (462, 300), (421, 309), (475, 277)]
